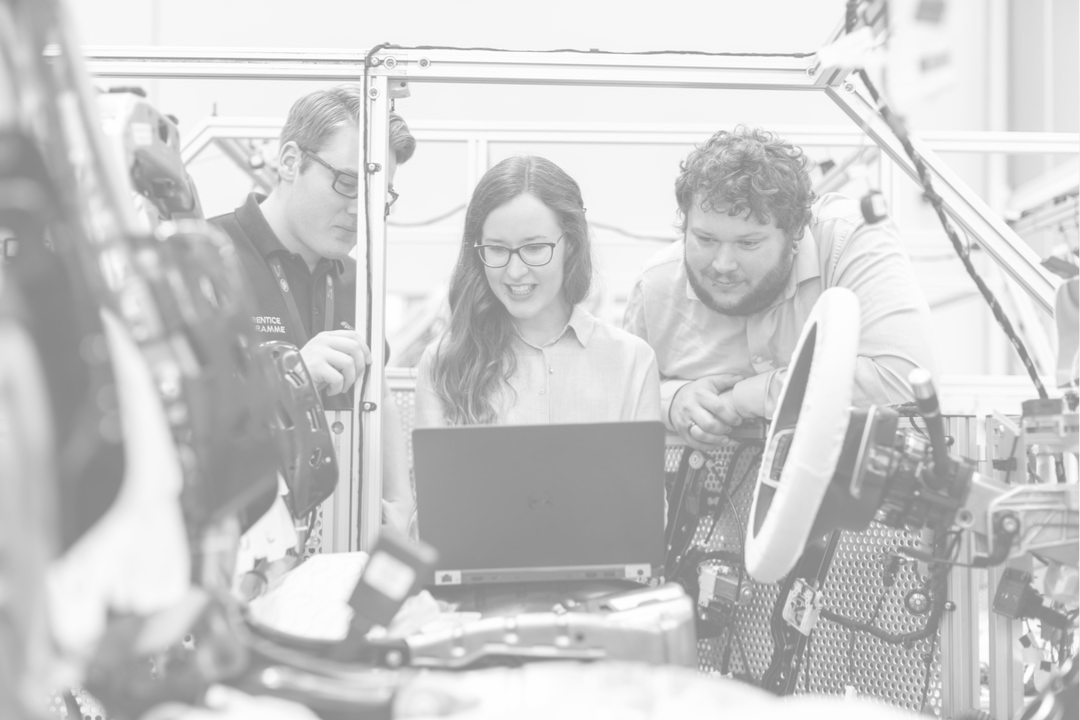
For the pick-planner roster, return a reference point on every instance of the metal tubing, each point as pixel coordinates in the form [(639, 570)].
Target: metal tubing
[(1006, 668), (992, 234), (604, 134), (1006, 677), (960, 625), (337, 514), (462, 66), (669, 70), (223, 64), (371, 267), (215, 128)]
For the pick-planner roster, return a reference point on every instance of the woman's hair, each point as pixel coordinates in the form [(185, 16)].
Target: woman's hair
[(748, 173), (474, 358)]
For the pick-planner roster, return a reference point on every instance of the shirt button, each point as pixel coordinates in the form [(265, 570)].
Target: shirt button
[(543, 392), (551, 371), (757, 359)]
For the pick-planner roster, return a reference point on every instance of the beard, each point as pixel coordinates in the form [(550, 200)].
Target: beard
[(760, 295)]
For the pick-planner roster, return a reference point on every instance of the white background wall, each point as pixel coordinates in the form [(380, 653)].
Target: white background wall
[(624, 186)]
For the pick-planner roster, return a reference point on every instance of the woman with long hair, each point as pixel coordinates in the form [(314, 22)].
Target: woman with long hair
[(520, 348)]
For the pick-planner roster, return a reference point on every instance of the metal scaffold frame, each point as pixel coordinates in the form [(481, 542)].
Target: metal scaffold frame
[(568, 68)]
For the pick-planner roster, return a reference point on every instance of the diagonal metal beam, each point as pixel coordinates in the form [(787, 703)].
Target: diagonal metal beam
[(1009, 251)]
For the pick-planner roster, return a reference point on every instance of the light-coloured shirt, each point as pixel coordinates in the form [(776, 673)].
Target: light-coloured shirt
[(837, 250), (591, 372)]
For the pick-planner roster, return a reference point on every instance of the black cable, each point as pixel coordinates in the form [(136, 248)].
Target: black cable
[(725, 657), (738, 523), (745, 662), (896, 124), (1012, 456), (937, 588), (712, 528), (733, 558), (927, 672), (729, 471), (851, 15)]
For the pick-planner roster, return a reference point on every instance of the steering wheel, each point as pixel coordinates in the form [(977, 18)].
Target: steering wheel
[(805, 437)]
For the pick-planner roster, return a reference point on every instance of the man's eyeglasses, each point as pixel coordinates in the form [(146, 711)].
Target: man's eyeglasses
[(346, 184), (533, 254), (393, 199)]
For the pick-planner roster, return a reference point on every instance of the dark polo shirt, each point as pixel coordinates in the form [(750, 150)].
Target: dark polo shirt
[(331, 287)]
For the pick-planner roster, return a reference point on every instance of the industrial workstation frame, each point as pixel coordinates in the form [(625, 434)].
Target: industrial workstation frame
[(712, 72)]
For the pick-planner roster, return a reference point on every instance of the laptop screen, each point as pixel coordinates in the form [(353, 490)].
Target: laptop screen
[(552, 499)]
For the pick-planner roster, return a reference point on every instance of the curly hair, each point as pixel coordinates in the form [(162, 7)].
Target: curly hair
[(474, 359), (748, 173)]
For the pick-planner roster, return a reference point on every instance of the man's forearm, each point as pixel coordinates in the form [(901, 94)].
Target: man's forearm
[(755, 397), (882, 381)]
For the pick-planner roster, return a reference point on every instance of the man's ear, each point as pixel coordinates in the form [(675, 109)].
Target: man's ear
[(289, 160)]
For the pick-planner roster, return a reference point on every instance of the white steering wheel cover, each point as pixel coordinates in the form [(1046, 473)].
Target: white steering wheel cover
[(823, 414)]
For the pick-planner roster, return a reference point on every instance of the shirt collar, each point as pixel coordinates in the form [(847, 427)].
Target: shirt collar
[(251, 218), (805, 267), (581, 323)]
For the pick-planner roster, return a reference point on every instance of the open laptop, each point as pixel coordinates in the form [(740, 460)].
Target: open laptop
[(542, 502)]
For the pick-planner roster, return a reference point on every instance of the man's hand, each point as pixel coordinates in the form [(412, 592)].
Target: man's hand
[(336, 359), (703, 411), (396, 516)]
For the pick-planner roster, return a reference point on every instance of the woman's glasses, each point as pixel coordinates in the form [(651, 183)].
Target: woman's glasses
[(533, 254)]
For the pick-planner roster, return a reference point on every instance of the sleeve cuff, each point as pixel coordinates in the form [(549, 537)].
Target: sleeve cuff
[(756, 396)]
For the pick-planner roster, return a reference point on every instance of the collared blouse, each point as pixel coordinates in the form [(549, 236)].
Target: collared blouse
[(591, 372)]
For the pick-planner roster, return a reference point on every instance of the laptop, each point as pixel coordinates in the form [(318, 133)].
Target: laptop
[(541, 502)]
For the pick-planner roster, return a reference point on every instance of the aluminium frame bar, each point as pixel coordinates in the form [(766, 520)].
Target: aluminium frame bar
[(686, 70), (991, 233), (221, 127), (367, 432)]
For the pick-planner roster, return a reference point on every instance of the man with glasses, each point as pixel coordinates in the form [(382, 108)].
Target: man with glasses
[(294, 245)]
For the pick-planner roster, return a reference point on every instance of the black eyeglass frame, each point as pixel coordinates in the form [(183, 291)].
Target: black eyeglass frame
[(338, 174), (511, 252), (394, 195)]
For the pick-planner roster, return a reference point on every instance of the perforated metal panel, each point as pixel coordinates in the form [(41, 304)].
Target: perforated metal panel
[(837, 658), (89, 706), (314, 541), (899, 674), (406, 403), (57, 708), (327, 513)]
